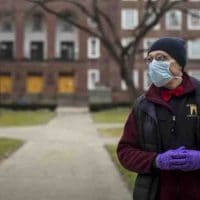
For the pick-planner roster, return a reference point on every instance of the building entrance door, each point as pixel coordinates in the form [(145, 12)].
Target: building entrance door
[(66, 84), (34, 84), (5, 84)]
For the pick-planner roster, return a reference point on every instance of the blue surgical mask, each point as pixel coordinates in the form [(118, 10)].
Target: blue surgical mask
[(159, 72)]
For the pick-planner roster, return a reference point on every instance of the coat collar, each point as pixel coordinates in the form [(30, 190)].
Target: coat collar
[(154, 93)]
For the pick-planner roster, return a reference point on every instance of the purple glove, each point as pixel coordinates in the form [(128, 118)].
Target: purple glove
[(192, 161), (171, 159)]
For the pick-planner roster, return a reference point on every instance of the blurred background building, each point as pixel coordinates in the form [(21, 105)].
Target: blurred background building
[(46, 61)]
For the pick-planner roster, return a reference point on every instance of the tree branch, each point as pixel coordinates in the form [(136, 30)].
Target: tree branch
[(101, 34)]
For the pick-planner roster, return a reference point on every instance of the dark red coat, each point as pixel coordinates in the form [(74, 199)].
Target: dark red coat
[(134, 159)]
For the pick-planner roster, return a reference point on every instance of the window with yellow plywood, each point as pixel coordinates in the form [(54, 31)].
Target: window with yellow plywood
[(34, 84), (66, 84), (6, 84)]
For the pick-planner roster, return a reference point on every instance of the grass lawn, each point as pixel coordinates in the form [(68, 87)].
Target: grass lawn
[(24, 118), (8, 146), (114, 115), (111, 132), (128, 176)]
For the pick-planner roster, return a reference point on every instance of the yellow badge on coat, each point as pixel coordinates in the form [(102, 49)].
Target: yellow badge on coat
[(192, 110)]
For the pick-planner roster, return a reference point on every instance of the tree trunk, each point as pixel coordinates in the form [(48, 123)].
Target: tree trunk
[(127, 75)]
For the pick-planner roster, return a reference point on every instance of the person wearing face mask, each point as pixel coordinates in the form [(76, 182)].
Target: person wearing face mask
[(161, 137)]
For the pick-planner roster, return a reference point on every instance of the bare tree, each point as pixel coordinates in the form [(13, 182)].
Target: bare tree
[(124, 56)]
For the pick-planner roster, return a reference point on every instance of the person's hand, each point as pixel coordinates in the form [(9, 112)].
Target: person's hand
[(192, 161), (171, 159)]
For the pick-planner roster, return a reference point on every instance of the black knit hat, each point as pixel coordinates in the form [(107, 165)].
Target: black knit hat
[(174, 46)]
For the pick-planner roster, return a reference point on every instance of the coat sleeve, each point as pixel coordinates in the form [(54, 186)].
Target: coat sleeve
[(129, 153)]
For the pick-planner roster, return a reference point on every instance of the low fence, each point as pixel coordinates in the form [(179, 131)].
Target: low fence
[(100, 97)]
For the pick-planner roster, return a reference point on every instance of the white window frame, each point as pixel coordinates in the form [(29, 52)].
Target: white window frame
[(89, 48), (91, 23), (124, 86), (30, 36), (146, 82), (194, 73), (146, 47), (135, 75), (189, 20), (179, 18), (136, 78), (191, 54), (10, 39), (151, 18), (126, 41), (42, 23), (156, 27), (66, 36), (12, 23), (124, 20), (90, 84)]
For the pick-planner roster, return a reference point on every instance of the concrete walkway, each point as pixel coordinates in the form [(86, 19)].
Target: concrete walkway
[(63, 160), (109, 125)]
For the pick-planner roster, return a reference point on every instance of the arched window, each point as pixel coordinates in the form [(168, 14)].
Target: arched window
[(7, 23), (67, 38), (35, 39), (37, 22), (7, 36), (65, 25)]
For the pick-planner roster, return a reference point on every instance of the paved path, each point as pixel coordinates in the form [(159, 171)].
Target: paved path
[(109, 125), (63, 160)]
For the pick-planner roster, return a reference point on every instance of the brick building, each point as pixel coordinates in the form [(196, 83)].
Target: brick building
[(47, 61)]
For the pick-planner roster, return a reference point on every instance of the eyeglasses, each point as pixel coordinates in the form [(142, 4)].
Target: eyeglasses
[(158, 57)]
